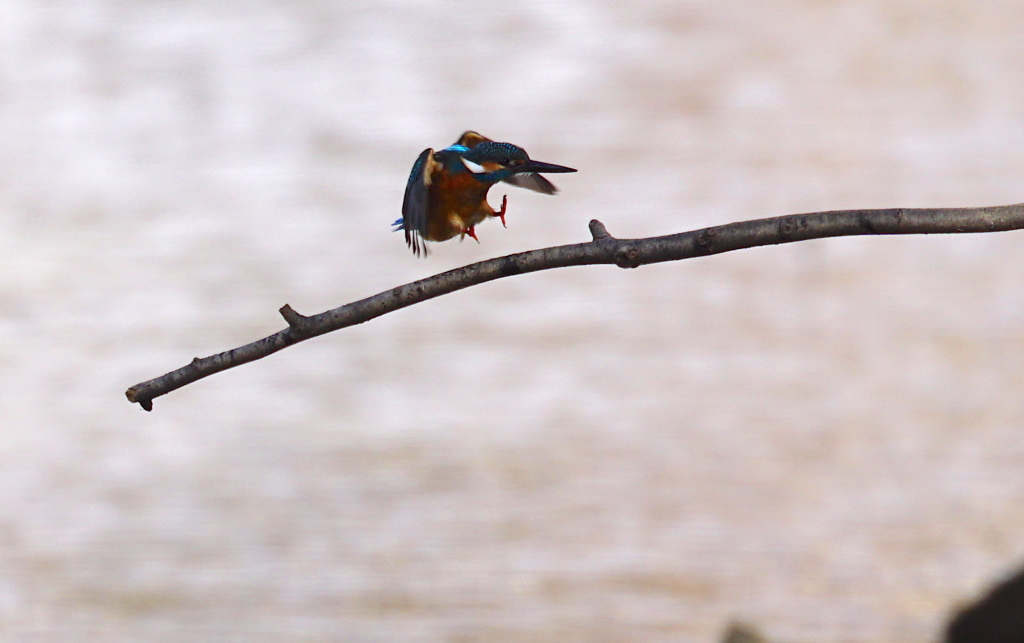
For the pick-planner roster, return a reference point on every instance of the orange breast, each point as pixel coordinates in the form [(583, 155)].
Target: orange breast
[(457, 202)]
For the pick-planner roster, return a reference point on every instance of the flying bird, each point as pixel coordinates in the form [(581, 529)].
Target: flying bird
[(446, 195)]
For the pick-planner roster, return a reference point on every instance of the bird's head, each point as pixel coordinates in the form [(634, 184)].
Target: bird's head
[(499, 161)]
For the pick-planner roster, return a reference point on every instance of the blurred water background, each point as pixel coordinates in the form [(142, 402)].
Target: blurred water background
[(823, 439)]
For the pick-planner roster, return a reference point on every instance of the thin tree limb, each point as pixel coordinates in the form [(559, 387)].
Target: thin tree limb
[(603, 249)]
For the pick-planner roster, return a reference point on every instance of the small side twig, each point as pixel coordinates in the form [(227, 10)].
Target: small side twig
[(603, 249), (598, 231), (296, 322)]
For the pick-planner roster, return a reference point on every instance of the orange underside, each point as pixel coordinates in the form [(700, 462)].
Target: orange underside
[(457, 202)]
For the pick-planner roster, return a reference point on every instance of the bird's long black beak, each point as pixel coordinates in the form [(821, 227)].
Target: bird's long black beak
[(537, 166)]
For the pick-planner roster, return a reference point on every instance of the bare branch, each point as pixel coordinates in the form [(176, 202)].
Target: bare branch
[(604, 249)]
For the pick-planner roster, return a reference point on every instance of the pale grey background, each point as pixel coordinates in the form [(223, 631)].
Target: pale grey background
[(824, 439)]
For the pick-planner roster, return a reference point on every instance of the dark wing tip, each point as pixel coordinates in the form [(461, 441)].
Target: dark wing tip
[(416, 243), (414, 205)]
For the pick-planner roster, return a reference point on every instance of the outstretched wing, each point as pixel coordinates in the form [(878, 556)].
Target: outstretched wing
[(414, 206), (532, 181)]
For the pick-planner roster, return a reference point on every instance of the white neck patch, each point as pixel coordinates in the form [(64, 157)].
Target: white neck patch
[(473, 167)]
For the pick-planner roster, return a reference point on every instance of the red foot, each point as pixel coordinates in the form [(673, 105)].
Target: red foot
[(471, 231), (501, 213)]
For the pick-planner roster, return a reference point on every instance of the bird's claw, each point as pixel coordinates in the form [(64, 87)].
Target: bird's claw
[(501, 213)]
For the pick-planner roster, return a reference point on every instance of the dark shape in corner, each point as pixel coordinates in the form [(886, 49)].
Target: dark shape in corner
[(997, 618)]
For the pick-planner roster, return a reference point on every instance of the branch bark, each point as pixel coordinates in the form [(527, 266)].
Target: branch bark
[(603, 249)]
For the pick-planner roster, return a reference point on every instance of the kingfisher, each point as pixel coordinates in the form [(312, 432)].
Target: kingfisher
[(446, 195)]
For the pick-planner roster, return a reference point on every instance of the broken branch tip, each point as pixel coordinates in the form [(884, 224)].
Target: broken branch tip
[(293, 318)]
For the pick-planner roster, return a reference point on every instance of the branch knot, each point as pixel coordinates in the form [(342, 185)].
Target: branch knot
[(705, 238), (627, 257), (787, 226)]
